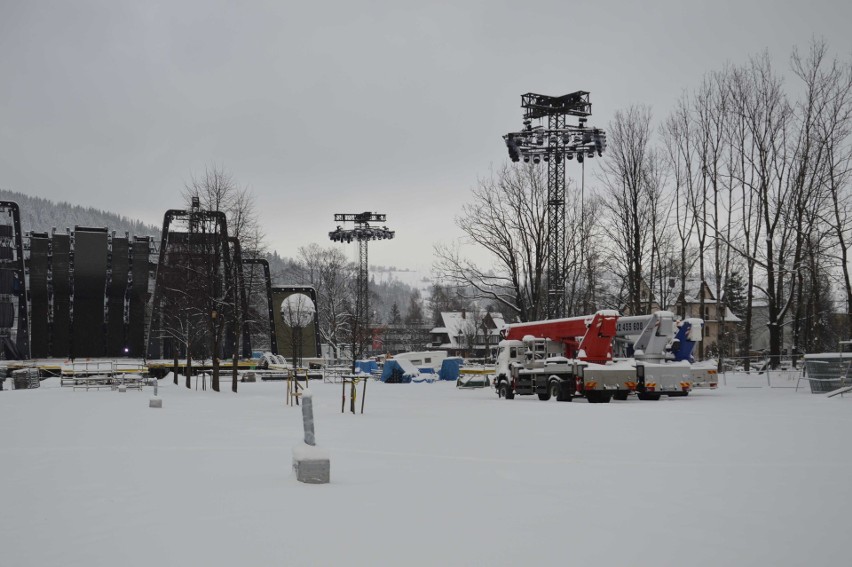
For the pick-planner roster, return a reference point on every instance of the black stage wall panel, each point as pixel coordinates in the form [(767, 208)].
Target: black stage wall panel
[(61, 331), (39, 328), (138, 298), (115, 298), (90, 266)]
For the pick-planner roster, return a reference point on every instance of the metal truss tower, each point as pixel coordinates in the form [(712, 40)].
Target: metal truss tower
[(362, 233), (555, 143), (556, 223)]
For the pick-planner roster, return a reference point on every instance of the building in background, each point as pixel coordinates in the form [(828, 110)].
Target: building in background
[(469, 334)]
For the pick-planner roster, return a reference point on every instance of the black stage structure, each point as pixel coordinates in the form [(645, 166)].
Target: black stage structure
[(89, 293), (283, 332), (193, 290), (266, 324), (14, 324), (202, 295)]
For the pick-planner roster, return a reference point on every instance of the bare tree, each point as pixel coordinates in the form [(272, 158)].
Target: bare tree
[(681, 155), (766, 116), (329, 272), (629, 176), (507, 220), (827, 114), (217, 192)]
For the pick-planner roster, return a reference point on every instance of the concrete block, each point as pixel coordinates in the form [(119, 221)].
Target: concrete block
[(122, 388), (311, 465), (155, 403)]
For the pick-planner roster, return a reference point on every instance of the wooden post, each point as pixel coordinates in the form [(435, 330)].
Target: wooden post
[(363, 395), (352, 396), (343, 396), (295, 387)]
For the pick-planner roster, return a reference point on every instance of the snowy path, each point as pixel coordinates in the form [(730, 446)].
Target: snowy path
[(428, 476)]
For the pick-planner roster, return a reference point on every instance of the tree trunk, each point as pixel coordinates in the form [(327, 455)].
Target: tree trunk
[(748, 316), (235, 364), (188, 369), (214, 382)]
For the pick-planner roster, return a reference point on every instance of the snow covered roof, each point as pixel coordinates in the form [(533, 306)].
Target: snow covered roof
[(692, 291), (730, 317), (466, 323)]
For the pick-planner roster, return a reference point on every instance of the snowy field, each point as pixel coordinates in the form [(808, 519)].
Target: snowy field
[(429, 475)]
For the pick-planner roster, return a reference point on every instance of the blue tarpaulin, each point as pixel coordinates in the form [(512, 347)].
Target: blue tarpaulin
[(366, 366), (394, 373), (450, 368)]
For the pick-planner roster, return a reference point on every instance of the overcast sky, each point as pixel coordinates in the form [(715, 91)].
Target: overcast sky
[(325, 107)]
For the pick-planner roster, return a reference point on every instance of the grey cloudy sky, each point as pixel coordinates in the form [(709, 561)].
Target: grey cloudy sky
[(324, 107)]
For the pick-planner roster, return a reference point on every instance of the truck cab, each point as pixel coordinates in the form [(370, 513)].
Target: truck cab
[(534, 366)]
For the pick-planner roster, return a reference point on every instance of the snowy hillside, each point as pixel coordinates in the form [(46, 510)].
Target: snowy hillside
[(42, 215)]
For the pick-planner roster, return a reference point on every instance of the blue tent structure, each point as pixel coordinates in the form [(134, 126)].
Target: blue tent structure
[(451, 368), (393, 373)]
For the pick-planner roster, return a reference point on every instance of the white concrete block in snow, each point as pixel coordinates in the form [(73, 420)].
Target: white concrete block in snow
[(311, 464)]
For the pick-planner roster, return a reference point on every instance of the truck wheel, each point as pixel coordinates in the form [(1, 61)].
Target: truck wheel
[(596, 397), (566, 391), (505, 391), (555, 389), (620, 396), (677, 394), (544, 397), (653, 396)]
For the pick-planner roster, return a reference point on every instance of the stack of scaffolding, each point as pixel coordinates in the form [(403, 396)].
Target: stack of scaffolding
[(25, 379)]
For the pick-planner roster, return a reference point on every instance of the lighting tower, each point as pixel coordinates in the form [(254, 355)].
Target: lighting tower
[(362, 233), (555, 142)]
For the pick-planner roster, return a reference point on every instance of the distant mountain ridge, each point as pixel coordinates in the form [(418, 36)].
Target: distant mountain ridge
[(42, 215)]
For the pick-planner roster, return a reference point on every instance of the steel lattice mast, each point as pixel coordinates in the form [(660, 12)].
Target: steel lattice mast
[(362, 233), (556, 222), (555, 144)]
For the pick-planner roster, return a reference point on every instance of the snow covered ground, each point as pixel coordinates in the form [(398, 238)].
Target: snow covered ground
[(429, 475)]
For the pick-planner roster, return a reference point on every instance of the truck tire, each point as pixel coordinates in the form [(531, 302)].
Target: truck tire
[(566, 391), (596, 397), (504, 390), (620, 395), (555, 389), (677, 394), (544, 397), (652, 396)]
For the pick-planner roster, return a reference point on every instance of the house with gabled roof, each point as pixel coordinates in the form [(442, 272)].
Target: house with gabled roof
[(688, 304), (468, 333)]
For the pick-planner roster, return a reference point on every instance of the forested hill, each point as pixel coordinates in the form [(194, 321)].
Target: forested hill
[(42, 215)]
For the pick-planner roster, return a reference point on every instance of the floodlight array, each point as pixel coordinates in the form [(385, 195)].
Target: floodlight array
[(361, 234), (538, 144)]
